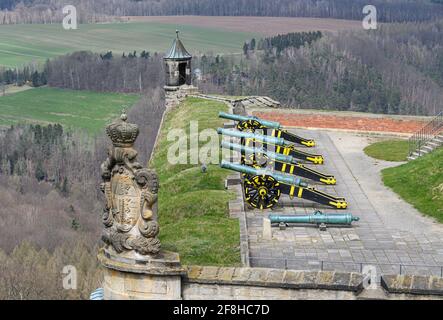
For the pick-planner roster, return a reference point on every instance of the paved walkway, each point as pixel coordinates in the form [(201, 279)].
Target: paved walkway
[(391, 235), (11, 89)]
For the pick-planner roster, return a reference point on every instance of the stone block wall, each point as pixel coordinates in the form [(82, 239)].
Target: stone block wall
[(175, 95), (413, 285), (244, 283), (224, 283)]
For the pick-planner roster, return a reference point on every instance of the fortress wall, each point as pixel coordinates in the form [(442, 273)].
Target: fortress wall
[(225, 283), (196, 291), (243, 283)]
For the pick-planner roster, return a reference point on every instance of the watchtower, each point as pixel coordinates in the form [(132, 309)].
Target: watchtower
[(177, 65)]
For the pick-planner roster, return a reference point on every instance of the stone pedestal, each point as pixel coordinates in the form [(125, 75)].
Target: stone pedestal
[(143, 277)]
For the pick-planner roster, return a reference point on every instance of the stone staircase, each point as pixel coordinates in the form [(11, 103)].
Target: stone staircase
[(429, 138), (427, 147)]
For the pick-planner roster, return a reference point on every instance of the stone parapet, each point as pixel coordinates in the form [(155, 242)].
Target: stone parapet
[(412, 284), (237, 210), (275, 278), (155, 278), (233, 179), (175, 95)]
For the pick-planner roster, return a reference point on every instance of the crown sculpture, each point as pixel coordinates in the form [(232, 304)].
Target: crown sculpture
[(129, 216)]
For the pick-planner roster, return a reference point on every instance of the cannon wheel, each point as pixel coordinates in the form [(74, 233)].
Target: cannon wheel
[(261, 191), (249, 125)]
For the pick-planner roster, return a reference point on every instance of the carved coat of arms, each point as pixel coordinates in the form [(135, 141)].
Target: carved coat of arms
[(131, 193)]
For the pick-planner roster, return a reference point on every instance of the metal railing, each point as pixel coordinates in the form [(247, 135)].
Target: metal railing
[(425, 134), (347, 266)]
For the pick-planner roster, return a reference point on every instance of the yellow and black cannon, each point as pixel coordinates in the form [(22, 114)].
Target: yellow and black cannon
[(271, 128), (272, 144), (260, 158), (263, 188)]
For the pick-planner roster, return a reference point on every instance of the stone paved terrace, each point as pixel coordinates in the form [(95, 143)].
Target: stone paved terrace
[(390, 235)]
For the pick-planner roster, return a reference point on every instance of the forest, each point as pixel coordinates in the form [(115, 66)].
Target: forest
[(49, 11), (282, 41), (130, 72), (397, 69), (29, 74), (84, 70)]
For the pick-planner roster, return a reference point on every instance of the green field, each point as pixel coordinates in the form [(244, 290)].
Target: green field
[(389, 150), (86, 110), (21, 44), (193, 206), (420, 182)]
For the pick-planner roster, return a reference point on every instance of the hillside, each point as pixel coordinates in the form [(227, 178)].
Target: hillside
[(265, 26), (193, 211), (101, 10), (21, 44), (396, 69), (420, 182), (83, 110)]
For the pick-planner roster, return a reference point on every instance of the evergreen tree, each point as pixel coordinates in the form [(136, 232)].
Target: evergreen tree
[(40, 173), (245, 48), (65, 189), (75, 224), (252, 44), (36, 82)]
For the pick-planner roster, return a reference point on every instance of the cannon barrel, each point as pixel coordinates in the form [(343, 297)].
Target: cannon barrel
[(284, 178), (249, 150), (315, 218), (255, 136), (236, 117)]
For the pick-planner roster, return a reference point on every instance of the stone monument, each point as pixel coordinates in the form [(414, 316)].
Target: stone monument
[(135, 266)]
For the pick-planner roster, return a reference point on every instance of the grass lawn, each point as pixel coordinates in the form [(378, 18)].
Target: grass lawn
[(420, 182), (389, 150), (193, 206), (21, 43), (89, 111)]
